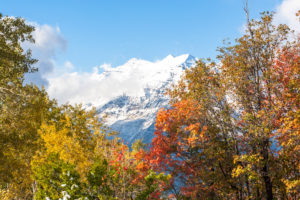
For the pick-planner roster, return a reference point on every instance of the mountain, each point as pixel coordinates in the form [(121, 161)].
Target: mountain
[(133, 112), (129, 95)]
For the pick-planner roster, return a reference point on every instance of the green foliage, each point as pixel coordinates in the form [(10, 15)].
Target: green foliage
[(152, 181), (137, 145), (55, 179), (14, 62), (98, 180)]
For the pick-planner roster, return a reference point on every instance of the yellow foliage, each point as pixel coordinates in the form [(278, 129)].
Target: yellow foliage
[(292, 186), (68, 143), (4, 194)]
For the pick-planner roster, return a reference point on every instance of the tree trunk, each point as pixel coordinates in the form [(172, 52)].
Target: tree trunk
[(268, 185), (265, 172)]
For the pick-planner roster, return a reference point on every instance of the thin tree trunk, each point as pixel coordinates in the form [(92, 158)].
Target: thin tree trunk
[(265, 172)]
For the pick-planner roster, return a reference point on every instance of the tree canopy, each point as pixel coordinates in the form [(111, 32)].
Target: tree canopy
[(231, 131), (51, 151)]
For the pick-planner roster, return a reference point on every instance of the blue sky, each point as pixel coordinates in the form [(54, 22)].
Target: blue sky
[(112, 31)]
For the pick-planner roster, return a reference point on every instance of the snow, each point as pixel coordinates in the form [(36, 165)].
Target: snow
[(66, 196), (130, 94), (133, 113)]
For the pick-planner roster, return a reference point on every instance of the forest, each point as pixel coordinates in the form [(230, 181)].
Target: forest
[(231, 131)]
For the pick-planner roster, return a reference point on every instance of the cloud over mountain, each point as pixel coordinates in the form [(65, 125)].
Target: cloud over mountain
[(97, 88)]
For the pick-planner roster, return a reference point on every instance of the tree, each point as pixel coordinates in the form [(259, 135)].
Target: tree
[(248, 72), (76, 140), (232, 130), (195, 140), (22, 108), (285, 74), (14, 62)]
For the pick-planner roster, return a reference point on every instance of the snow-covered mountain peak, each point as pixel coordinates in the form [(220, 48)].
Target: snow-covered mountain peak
[(170, 56), (134, 62), (189, 59), (133, 115), (129, 94), (185, 60)]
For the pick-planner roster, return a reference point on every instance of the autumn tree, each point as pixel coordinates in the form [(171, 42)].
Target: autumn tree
[(232, 130), (195, 139), (22, 108), (285, 75), (76, 140), (41, 142), (249, 71)]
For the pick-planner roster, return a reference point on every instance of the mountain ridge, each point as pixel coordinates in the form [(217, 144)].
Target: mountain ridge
[(133, 115)]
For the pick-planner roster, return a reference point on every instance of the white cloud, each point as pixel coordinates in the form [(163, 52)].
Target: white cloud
[(286, 14), (97, 87), (48, 41), (94, 87), (106, 67), (68, 65)]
